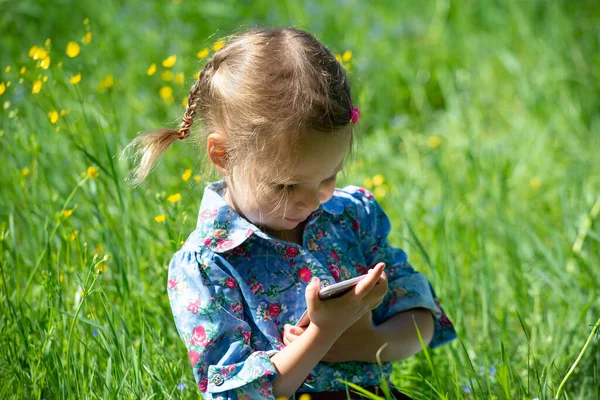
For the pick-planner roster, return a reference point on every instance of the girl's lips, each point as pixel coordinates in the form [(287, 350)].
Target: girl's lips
[(295, 219)]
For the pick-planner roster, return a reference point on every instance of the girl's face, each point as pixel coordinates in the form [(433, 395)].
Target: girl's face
[(320, 157)]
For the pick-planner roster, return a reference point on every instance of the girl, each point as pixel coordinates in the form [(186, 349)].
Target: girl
[(277, 112)]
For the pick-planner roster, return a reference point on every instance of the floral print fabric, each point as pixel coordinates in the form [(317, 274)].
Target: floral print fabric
[(232, 288)]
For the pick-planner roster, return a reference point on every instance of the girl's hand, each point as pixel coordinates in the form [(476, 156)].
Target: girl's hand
[(350, 346), (337, 315)]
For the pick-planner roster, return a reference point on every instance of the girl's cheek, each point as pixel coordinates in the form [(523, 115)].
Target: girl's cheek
[(327, 191)]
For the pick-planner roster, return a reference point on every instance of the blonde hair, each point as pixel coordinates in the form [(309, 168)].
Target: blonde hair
[(260, 91)]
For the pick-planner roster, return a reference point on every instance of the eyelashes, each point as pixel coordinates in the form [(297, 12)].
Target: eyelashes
[(291, 187)]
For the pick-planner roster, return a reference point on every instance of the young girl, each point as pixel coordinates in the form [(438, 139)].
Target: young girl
[(276, 109)]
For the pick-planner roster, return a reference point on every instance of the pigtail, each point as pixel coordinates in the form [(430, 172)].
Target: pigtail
[(149, 146)]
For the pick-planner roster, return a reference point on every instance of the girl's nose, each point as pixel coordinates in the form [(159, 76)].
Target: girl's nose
[(310, 200)]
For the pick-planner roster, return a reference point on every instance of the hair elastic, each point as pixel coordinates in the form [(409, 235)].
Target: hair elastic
[(355, 113)]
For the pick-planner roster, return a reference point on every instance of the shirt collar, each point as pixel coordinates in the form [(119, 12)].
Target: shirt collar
[(221, 228)]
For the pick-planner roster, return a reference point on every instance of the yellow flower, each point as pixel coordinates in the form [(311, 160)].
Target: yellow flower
[(166, 75), (197, 75), (174, 198), (184, 101), (92, 172), (433, 142), (160, 218), (99, 249), (86, 21), (37, 86), (23, 70), (379, 192), (8, 68), (338, 58), (169, 61), (378, 180), (73, 49), (45, 63), (2, 88), (87, 39), (166, 93), (218, 45), (53, 116), (45, 79), (61, 278), (151, 70), (368, 183), (106, 83), (197, 178), (179, 78), (76, 79), (25, 171), (48, 42), (202, 53), (304, 396), (63, 113), (535, 182), (347, 56), (38, 53), (73, 236), (101, 267), (186, 175), (67, 213)]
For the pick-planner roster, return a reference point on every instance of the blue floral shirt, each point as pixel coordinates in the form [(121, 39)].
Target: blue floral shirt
[(232, 288)]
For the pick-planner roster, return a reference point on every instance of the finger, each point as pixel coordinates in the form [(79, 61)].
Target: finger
[(363, 287), (312, 293)]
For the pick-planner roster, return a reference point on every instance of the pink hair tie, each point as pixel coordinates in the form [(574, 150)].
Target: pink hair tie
[(355, 113)]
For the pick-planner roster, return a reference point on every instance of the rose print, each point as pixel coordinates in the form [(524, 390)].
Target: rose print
[(237, 307), (194, 357), (198, 336), (335, 271), (203, 384), (172, 283), (305, 274), (230, 282), (334, 255), (246, 336), (219, 233), (290, 252), (312, 245), (274, 310), (257, 287), (355, 225), (193, 306), (361, 269), (223, 244), (207, 242)]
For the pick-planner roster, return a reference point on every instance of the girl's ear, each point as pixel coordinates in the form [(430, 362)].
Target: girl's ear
[(215, 146)]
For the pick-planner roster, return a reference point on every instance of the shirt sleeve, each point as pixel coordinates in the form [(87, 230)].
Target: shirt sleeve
[(208, 309), (408, 288)]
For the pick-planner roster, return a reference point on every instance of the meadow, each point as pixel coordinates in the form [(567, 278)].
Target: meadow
[(479, 135)]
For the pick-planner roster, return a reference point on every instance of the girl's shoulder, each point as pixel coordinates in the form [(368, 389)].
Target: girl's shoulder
[(351, 198)]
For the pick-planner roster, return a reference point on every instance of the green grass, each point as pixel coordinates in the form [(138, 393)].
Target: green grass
[(482, 117)]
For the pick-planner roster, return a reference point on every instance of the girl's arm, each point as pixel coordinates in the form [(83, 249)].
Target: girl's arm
[(329, 319), (295, 361)]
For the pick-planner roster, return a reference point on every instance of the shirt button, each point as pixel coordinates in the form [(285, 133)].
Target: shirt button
[(324, 283), (217, 379)]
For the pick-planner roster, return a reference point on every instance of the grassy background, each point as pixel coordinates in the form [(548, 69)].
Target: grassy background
[(481, 118)]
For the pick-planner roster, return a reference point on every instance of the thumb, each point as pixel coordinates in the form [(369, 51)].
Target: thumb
[(312, 293)]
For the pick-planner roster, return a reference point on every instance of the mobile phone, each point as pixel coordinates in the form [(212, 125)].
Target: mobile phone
[(331, 292)]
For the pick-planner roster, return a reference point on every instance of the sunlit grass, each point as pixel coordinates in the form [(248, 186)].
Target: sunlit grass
[(479, 134)]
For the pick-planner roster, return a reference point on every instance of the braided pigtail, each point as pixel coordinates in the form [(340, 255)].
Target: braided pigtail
[(148, 147)]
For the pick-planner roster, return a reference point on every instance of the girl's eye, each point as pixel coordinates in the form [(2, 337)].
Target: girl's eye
[(285, 188)]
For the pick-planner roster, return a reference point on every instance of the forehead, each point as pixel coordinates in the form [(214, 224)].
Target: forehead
[(319, 155)]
